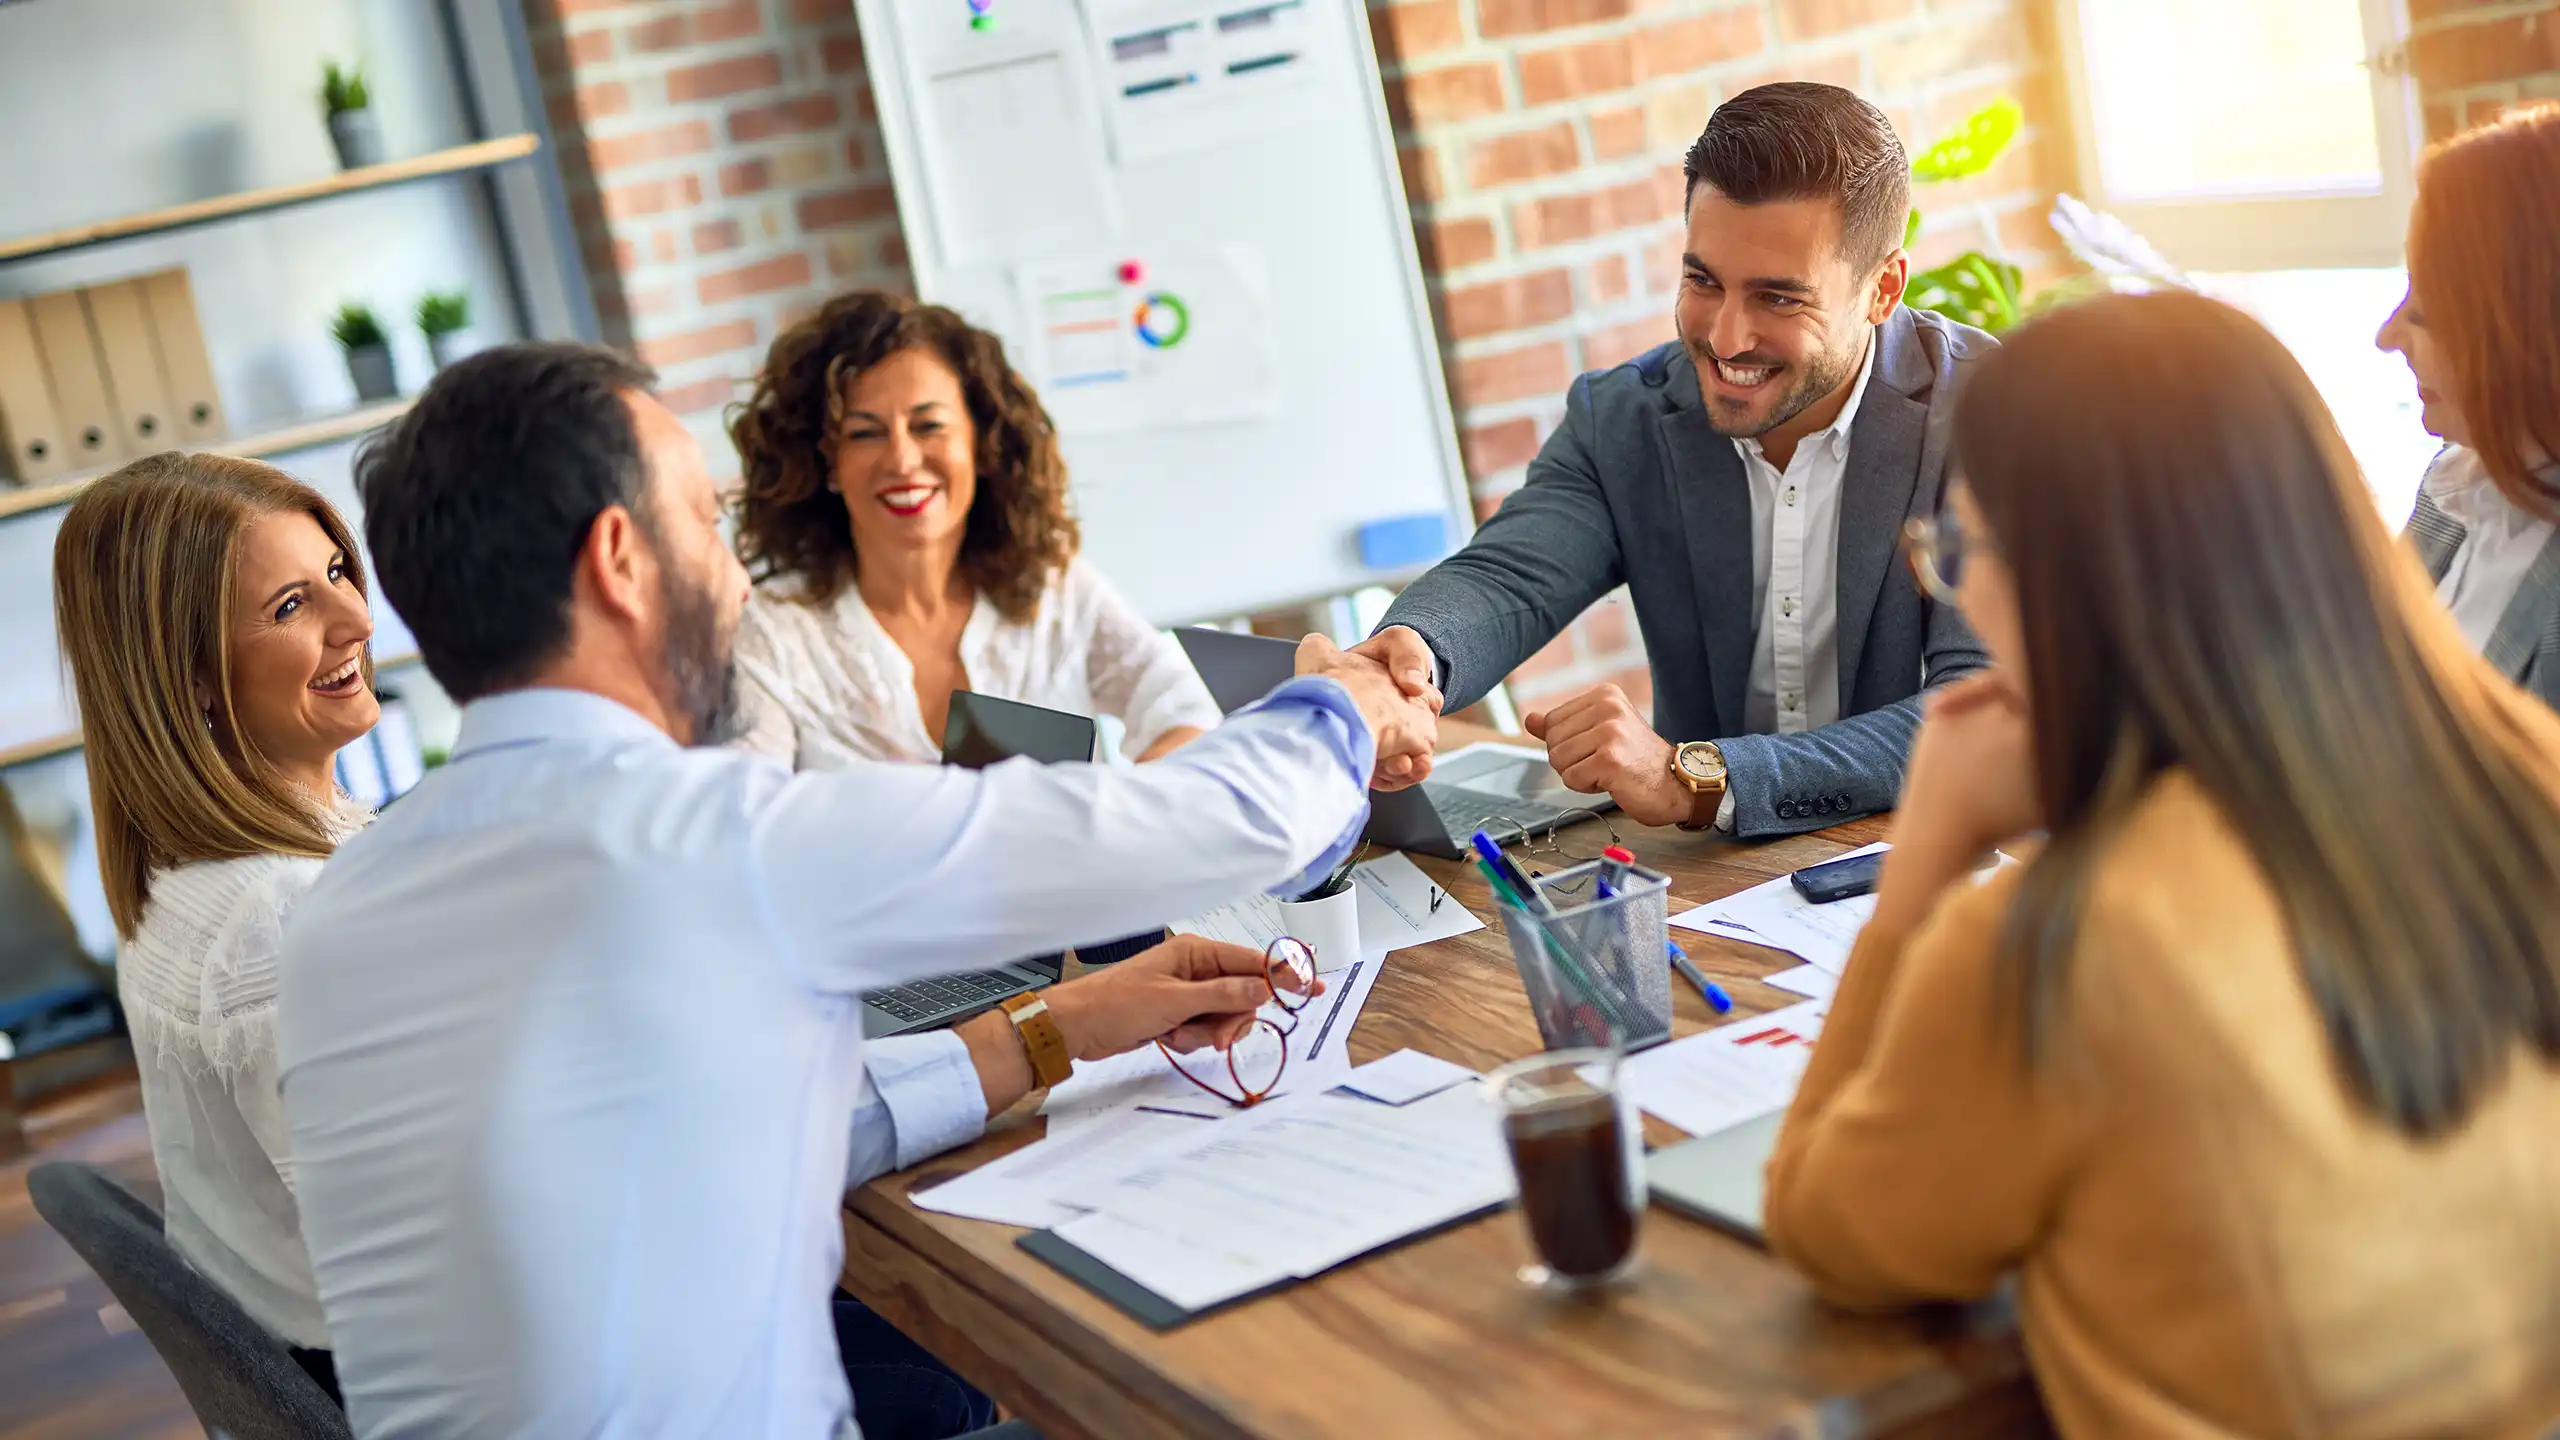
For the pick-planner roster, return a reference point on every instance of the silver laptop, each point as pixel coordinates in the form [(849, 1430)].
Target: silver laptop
[(1504, 795), (1719, 1178)]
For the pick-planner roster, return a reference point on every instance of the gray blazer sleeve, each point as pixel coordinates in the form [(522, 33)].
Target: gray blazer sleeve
[(1544, 557), (1787, 784)]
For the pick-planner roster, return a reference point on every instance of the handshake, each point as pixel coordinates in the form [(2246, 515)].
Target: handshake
[(1392, 687)]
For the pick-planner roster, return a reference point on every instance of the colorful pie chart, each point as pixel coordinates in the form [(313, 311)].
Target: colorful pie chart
[(1163, 320)]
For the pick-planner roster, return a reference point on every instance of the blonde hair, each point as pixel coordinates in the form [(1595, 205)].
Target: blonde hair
[(143, 575)]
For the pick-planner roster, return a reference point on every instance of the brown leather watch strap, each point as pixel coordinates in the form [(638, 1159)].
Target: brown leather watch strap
[(1041, 1038)]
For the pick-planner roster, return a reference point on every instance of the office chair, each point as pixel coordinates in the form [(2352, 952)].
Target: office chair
[(237, 1376)]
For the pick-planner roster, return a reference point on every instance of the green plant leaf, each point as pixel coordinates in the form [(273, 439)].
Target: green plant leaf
[(1973, 146), (443, 312), (1911, 228), (1973, 289), (343, 87), (354, 326)]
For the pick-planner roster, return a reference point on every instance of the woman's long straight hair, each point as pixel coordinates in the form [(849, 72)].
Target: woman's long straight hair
[(2204, 583), (143, 571)]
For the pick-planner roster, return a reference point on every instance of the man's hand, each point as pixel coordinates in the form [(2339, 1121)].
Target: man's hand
[(1407, 725), (1599, 744), (1189, 992), (1410, 663)]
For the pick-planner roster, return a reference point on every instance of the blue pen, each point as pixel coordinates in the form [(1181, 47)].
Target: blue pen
[(1717, 1000)]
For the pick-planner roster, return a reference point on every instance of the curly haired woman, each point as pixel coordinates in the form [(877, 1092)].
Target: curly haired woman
[(906, 516)]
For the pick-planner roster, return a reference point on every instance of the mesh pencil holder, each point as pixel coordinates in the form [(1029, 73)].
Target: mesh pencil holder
[(1596, 971)]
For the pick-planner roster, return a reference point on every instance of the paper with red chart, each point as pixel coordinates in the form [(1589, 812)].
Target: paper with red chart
[(1722, 1077)]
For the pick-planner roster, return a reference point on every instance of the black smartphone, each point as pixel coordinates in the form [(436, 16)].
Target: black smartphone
[(1838, 879)]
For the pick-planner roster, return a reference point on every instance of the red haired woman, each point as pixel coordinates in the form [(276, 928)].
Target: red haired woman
[(2481, 331)]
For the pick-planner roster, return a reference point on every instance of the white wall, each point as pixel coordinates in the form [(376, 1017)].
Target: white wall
[(112, 106), (115, 106)]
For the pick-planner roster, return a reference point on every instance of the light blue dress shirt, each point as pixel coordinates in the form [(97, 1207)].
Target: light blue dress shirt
[(575, 1066)]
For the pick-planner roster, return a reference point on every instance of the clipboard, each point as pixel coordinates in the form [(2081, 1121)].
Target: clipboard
[(1159, 1314)]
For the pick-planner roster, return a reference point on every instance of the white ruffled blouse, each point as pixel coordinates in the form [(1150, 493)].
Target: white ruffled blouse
[(824, 685), (198, 981)]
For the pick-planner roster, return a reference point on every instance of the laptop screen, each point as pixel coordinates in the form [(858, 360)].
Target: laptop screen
[(983, 730)]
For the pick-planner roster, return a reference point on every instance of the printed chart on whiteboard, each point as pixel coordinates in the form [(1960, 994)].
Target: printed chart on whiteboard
[(1138, 342), (1195, 74)]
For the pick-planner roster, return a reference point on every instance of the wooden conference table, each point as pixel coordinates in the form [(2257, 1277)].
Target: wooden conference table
[(1437, 1337)]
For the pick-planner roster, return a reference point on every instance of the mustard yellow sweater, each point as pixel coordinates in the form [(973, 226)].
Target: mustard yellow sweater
[(2211, 1238)]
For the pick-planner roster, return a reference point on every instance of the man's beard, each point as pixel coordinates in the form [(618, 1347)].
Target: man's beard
[(700, 662), (1815, 380)]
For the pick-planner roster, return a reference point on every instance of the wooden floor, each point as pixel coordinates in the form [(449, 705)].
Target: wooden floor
[(71, 1366)]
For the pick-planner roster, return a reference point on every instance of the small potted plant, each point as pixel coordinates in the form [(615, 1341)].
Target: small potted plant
[(445, 316), (349, 101), (368, 352)]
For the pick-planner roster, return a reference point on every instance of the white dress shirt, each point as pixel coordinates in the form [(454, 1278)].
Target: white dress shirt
[(198, 982), (825, 685), (574, 1058), (1795, 566), (2499, 543)]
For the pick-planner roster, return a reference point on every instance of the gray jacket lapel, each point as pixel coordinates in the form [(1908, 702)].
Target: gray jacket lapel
[(2435, 536), (1713, 500), (1884, 469), (2522, 625)]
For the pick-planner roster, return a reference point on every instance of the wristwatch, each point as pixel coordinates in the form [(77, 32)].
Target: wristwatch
[(1699, 766), (1041, 1038)]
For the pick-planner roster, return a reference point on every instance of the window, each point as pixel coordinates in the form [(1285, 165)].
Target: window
[(2266, 148), (2245, 134)]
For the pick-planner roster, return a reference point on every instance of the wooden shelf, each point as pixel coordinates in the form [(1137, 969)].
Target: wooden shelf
[(478, 156), (69, 740), (301, 435)]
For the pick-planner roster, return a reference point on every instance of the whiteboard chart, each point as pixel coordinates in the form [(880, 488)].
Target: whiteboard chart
[(1186, 220)]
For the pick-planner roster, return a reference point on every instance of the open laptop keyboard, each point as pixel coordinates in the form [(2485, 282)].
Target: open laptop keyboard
[(1465, 812), (944, 995)]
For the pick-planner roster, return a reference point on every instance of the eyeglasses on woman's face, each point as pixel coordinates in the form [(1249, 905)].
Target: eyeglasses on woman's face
[(1936, 550)]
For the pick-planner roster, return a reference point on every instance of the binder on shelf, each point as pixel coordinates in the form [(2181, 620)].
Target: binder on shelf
[(34, 445), (130, 355), (184, 362), (80, 399)]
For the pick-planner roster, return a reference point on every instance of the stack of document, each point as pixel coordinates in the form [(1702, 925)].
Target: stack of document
[(1775, 915), (1725, 1076), (1286, 1192)]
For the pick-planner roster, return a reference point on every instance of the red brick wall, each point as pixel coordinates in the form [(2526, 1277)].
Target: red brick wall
[(2474, 58), (726, 169), (1541, 142), (726, 174)]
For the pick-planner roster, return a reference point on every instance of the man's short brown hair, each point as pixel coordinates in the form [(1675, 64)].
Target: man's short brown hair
[(1797, 140)]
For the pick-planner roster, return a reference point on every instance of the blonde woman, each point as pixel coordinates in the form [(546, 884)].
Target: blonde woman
[(214, 615)]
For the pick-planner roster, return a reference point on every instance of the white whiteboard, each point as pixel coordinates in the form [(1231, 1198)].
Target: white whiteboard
[(1264, 382)]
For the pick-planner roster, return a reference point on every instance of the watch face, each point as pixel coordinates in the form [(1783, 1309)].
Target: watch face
[(1701, 762)]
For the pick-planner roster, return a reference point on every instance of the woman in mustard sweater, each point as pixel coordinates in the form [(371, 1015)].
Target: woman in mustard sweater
[(2252, 1073)]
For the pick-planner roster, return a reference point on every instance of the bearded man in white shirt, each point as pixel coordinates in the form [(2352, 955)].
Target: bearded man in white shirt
[(571, 1037)]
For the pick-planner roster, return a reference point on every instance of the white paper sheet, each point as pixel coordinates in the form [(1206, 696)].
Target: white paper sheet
[(1397, 910), (1810, 981), (1319, 1058), (1186, 75), (1774, 914), (1017, 161), (1029, 1186), (1296, 1191), (1186, 342), (1406, 1076), (1730, 1074)]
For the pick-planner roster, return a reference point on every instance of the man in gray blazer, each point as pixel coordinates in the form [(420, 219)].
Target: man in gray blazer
[(1748, 484)]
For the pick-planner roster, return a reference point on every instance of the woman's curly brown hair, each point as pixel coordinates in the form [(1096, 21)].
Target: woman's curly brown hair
[(1020, 532)]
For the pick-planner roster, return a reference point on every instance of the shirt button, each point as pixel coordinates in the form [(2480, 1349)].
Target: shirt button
[(1791, 494), (1787, 606), (1793, 700)]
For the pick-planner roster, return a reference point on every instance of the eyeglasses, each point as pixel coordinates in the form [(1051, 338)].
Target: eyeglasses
[(1255, 1063), (1936, 551)]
